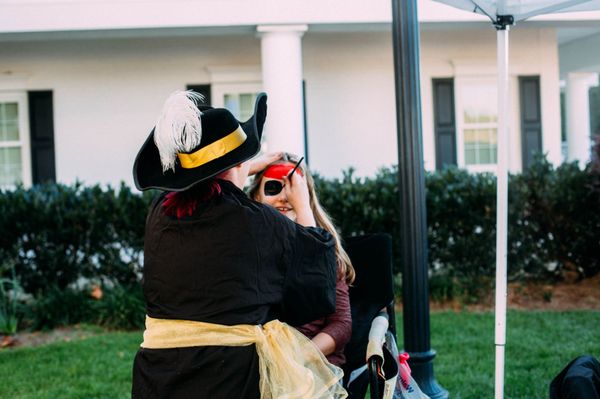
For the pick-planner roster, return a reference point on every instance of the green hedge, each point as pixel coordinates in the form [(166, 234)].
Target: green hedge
[(57, 237), (55, 234), (59, 241), (554, 222)]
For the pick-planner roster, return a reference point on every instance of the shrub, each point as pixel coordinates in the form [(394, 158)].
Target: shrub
[(461, 230), (553, 222), (10, 308), (557, 223), (57, 307), (58, 235), (119, 307)]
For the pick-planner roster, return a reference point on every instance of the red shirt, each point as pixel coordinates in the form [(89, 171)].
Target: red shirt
[(338, 325)]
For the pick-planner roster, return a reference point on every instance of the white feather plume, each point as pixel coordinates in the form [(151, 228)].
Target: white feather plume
[(178, 128)]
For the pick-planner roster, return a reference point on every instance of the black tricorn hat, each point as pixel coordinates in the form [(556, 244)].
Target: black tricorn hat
[(196, 142)]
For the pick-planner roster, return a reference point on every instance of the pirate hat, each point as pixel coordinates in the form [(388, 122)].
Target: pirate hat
[(191, 143)]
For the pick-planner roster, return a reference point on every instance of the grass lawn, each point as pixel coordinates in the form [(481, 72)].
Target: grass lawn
[(539, 344), (94, 367)]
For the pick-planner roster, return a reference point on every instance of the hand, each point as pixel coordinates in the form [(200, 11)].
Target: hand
[(260, 163), (324, 342), (296, 191)]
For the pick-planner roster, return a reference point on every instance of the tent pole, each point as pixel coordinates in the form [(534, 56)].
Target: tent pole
[(502, 207)]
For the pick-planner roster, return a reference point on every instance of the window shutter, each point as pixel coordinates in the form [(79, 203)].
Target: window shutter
[(204, 90), (306, 161), (445, 125), (41, 124), (531, 120)]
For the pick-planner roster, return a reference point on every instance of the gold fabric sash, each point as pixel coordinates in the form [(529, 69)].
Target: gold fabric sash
[(214, 150), (291, 366)]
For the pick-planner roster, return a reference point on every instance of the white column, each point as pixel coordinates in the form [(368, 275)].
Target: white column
[(579, 142), (281, 53)]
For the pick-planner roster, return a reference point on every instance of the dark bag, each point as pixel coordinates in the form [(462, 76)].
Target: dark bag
[(579, 380)]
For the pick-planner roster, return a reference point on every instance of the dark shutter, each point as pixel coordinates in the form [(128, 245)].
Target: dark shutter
[(202, 89), (595, 110), (531, 119), (306, 161), (445, 126), (41, 124)]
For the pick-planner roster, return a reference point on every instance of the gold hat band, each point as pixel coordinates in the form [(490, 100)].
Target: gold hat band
[(214, 150)]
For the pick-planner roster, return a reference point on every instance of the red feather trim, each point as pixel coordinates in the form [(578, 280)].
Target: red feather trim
[(182, 204)]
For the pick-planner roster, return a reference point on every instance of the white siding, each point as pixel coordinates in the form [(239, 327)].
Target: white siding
[(108, 92), (350, 101)]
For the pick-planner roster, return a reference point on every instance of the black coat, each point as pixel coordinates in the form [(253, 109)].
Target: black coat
[(235, 261)]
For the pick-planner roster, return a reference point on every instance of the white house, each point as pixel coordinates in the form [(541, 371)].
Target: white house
[(82, 81)]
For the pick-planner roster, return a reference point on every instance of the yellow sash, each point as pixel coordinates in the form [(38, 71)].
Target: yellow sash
[(291, 366)]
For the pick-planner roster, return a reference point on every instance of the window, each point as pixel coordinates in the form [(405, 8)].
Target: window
[(235, 87), (237, 97), (480, 123), (478, 120), (240, 104), (14, 141), (480, 146)]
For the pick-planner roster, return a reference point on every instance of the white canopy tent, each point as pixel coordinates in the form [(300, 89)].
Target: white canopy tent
[(503, 14), (522, 9)]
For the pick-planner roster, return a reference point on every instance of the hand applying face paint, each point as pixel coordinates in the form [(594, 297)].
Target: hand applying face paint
[(296, 191)]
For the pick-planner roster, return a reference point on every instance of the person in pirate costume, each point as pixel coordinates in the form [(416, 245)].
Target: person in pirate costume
[(223, 274)]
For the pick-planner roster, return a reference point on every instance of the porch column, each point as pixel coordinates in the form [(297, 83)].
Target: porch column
[(281, 53), (579, 142)]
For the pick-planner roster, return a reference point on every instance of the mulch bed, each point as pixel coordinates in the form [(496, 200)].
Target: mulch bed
[(36, 338), (565, 296)]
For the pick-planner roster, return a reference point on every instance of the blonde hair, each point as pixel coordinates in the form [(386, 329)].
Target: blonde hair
[(323, 220)]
